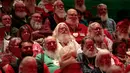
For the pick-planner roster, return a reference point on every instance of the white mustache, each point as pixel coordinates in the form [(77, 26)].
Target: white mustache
[(8, 25)]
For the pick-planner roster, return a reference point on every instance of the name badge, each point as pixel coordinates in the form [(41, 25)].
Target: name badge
[(82, 34), (75, 34)]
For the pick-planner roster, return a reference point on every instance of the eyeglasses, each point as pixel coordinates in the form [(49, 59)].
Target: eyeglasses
[(97, 28), (72, 14)]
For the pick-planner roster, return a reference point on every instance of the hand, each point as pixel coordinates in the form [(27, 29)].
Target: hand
[(35, 32)]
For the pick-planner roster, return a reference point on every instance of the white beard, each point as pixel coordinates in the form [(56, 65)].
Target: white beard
[(90, 53), (104, 18), (21, 14), (60, 13), (36, 25), (8, 25), (64, 38), (50, 54), (98, 38)]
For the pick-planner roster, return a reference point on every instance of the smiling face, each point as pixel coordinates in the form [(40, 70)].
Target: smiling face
[(72, 18)]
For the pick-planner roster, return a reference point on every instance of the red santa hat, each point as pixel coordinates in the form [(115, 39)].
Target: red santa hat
[(123, 23), (72, 68)]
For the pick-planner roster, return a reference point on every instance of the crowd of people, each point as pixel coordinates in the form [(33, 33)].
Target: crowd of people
[(44, 38)]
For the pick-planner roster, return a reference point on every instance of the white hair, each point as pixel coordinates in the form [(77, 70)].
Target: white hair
[(56, 33), (18, 2), (90, 27), (101, 4)]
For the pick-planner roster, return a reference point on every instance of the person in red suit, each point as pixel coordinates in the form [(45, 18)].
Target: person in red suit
[(78, 30)]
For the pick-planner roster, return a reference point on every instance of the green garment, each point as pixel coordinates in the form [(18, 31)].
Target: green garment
[(37, 1), (48, 61)]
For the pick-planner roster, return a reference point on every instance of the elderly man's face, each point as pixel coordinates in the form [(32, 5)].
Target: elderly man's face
[(51, 44), (6, 20), (97, 30), (20, 7), (36, 21), (102, 10), (60, 6), (63, 29), (37, 17), (89, 49), (72, 15), (20, 10), (59, 10), (14, 48), (72, 18)]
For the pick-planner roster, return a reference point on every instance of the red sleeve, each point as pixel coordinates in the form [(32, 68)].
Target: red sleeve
[(46, 70), (9, 69), (0, 71), (117, 62), (108, 34)]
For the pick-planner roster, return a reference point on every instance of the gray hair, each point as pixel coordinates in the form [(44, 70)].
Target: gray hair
[(101, 4)]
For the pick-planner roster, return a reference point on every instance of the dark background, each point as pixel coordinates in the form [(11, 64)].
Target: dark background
[(117, 9)]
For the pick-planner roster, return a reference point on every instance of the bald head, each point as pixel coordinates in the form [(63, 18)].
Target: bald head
[(49, 38), (28, 65), (103, 59), (50, 43), (71, 11), (19, 3), (72, 18)]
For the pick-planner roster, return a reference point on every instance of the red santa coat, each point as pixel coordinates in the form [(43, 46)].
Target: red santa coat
[(79, 33), (2, 34), (72, 68)]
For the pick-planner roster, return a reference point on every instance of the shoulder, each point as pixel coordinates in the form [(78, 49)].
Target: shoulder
[(110, 19), (82, 26)]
